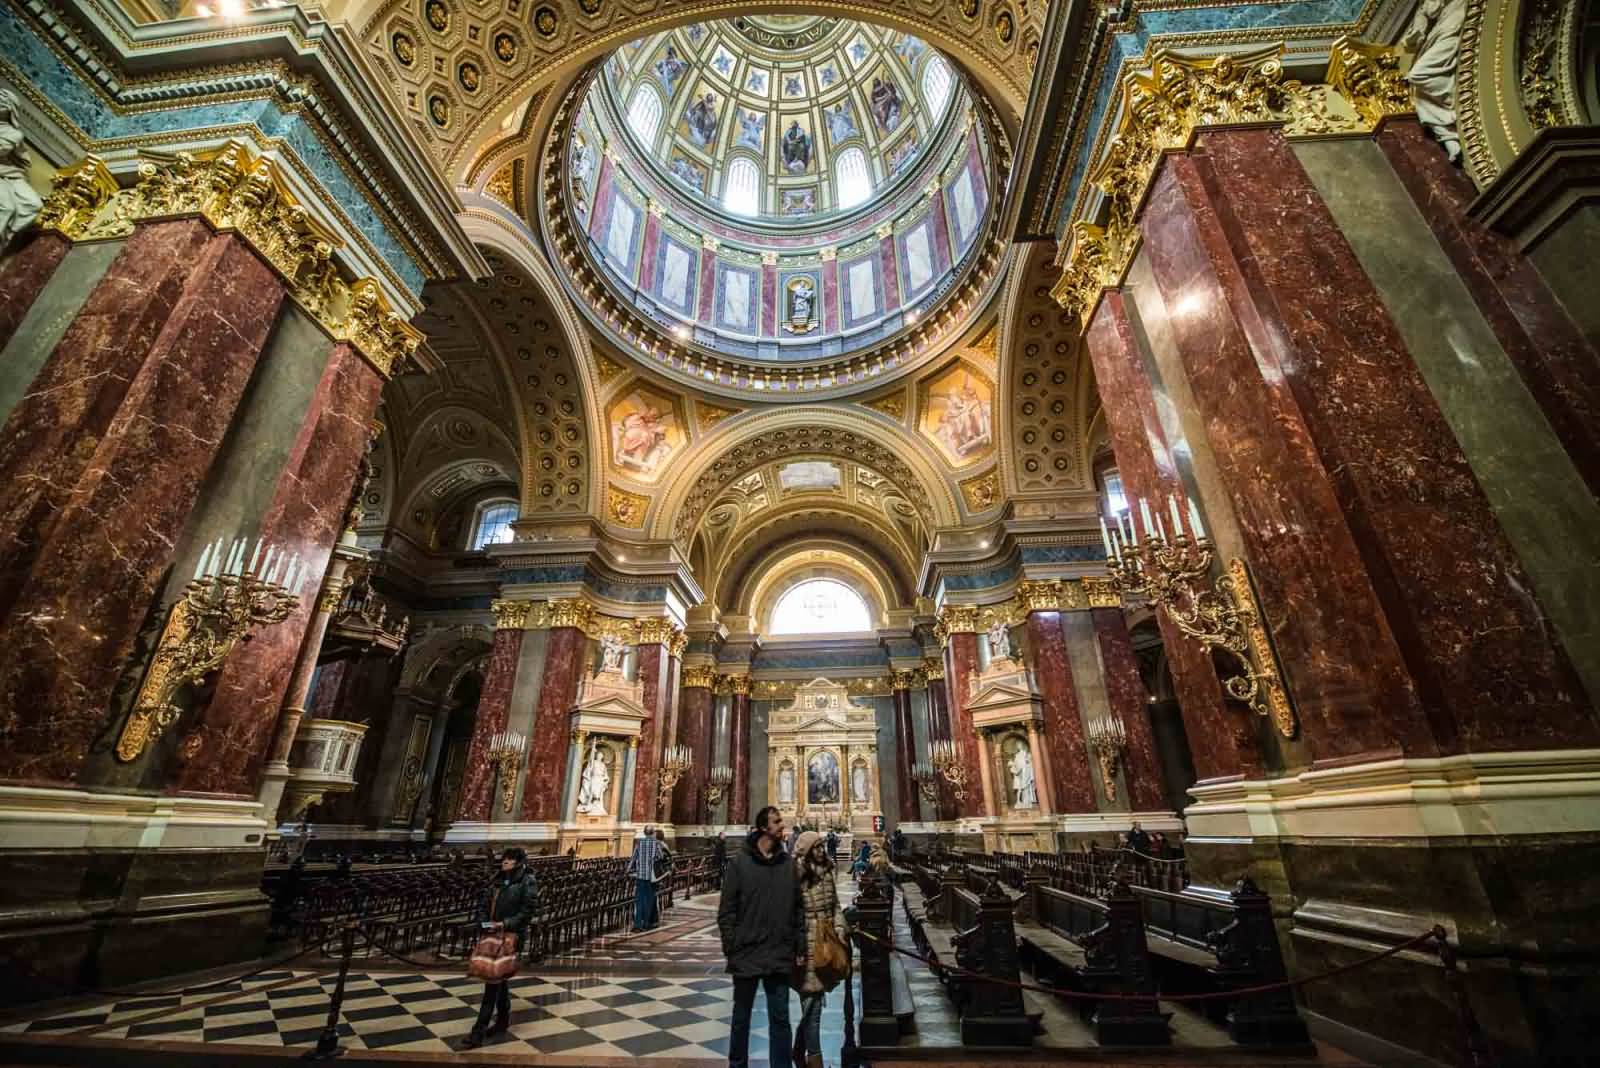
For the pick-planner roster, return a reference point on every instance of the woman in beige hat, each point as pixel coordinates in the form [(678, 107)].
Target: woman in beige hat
[(819, 898)]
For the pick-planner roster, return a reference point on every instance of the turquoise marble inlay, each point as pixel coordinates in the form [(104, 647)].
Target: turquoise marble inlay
[(88, 110), (1132, 43)]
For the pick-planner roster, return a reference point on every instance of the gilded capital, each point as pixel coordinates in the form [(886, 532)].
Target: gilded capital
[(1040, 595), (511, 615), (656, 631), (933, 668), (77, 193), (701, 675), (955, 619), (1368, 76), (1101, 592), (903, 680), (739, 684), (572, 612)]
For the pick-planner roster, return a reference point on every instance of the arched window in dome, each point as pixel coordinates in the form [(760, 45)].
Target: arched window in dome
[(644, 114), (820, 606), (492, 524), (937, 82), (855, 181), (741, 192)]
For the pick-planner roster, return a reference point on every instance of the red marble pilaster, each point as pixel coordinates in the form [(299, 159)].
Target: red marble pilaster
[(960, 668), (479, 803), (1218, 737), (739, 757), (904, 754), (769, 300), (655, 679), (172, 350), (708, 287), (24, 274), (1129, 701), (224, 751), (890, 274), (694, 731), (1556, 361), (1400, 610), (646, 275), (1063, 720), (566, 659), (939, 729), (830, 294), (941, 233)]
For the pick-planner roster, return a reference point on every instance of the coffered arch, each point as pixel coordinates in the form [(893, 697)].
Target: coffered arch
[(853, 526)]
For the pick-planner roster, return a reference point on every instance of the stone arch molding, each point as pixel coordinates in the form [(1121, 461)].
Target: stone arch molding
[(545, 41), (744, 444), (451, 647), (780, 567)]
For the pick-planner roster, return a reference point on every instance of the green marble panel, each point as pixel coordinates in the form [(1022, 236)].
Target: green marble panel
[(41, 328)]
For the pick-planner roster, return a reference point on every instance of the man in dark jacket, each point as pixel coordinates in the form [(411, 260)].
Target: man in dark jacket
[(719, 855), (509, 906), (763, 936)]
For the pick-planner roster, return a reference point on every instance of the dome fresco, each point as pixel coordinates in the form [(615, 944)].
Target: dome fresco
[(779, 188)]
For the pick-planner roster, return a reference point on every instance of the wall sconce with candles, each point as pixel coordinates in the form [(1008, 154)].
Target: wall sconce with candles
[(1173, 573), (717, 786), (947, 759), (219, 606), (927, 780), (505, 753), (674, 763), (1109, 740)]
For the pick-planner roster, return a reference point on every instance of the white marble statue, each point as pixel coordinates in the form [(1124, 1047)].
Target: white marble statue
[(612, 650), (1022, 785), (858, 783), (999, 641), (786, 785), (1435, 34), (19, 204), (594, 785)]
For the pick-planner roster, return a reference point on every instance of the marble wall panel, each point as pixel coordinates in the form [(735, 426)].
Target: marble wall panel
[(48, 317), (960, 667), (1129, 701), (904, 754), (223, 752), (760, 716), (939, 728), (479, 796), (1056, 675), (24, 274), (566, 660), (694, 731), (739, 812), (655, 676), (172, 351)]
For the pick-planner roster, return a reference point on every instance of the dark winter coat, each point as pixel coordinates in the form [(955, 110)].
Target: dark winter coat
[(510, 900), (761, 919)]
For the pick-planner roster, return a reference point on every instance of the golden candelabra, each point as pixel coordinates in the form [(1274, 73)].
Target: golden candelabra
[(505, 753), (1109, 740), (219, 606), (674, 763), (719, 783), (1172, 573), (927, 780), (947, 759)]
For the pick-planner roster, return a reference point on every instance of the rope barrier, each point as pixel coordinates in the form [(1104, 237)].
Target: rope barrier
[(1287, 984)]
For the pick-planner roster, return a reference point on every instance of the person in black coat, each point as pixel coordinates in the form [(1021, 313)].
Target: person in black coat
[(719, 856), (508, 904), (762, 923)]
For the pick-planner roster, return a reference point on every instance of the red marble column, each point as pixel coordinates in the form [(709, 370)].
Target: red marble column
[(739, 755), (224, 751), (891, 274), (101, 466), (1219, 738), (657, 678), (960, 667), (479, 803), (904, 753), (939, 729), (1063, 720), (1559, 365), (1129, 702), (23, 276), (1401, 612), (566, 658), (694, 731)]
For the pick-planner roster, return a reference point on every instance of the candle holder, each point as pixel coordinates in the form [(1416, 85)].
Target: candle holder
[(1109, 740), (674, 763), (719, 783), (217, 610), (505, 753), (927, 780), (1174, 575), (948, 761)]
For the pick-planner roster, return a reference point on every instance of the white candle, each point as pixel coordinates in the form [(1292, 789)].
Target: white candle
[(1161, 525), (255, 557), (1194, 520), (301, 581), (1144, 515), (200, 568), (1116, 547), (1177, 520), (233, 553), (266, 563), (1105, 539), (1129, 537)]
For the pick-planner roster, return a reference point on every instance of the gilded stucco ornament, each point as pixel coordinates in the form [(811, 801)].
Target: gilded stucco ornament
[(1164, 104), (626, 509), (955, 619), (702, 676), (511, 615), (235, 190)]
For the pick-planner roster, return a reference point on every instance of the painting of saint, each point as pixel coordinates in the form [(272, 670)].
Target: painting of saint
[(669, 68), (752, 130), (958, 416), (796, 149), (644, 433), (909, 48), (902, 153), (822, 780), (841, 123), (885, 103), (700, 120)]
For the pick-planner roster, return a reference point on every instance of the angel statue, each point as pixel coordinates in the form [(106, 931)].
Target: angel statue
[(19, 203), (1435, 33), (612, 650), (999, 640)]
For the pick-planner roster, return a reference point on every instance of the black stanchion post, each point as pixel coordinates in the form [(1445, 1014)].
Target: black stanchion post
[(1477, 1046), (328, 1042)]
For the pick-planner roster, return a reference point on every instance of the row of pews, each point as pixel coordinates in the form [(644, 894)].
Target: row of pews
[(1094, 931)]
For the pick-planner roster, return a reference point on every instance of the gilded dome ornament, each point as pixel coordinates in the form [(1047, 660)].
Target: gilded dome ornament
[(1005, 27), (438, 15), (439, 111), (505, 47), (590, 7), (468, 76), (404, 49), (544, 20)]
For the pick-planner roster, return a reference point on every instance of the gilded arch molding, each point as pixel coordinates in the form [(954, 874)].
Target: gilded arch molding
[(783, 566)]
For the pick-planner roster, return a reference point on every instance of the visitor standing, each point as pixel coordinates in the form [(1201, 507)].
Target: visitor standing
[(719, 855), (642, 866), (1139, 839), (833, 844), (819, 899), (762, 926), (663, 874), (508, 908), (863, 858)]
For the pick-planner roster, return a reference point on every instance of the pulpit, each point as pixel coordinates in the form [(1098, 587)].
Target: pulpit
[(822, 762)]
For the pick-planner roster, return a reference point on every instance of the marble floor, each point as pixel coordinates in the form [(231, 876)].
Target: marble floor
[(660, 995)]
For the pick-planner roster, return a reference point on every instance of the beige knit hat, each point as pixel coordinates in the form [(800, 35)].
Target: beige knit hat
[(803, 844)]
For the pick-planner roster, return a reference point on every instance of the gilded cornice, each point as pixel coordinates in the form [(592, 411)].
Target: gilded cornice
[(702, 676), (1164, 104), (237, 191)]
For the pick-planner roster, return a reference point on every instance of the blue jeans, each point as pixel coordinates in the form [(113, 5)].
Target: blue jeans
[(744, 1002), (808, 1035), (644, 905)]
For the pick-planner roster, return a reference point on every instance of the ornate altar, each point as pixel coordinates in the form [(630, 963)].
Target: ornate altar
[(822, 760), (605, 721), (1013, 765)]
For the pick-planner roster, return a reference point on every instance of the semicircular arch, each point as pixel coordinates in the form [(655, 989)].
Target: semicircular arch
[(782, 567)]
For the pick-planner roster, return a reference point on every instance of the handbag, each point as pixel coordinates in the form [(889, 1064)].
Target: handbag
[(494, 958), (830, 960)]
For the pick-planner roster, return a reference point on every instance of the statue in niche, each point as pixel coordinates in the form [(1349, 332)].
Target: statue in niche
[(612, 650), (19, 203), (1435, 34), (999, 640), (858, 784), (802, 303), (595, 783), (786, 785), (1025, 794)]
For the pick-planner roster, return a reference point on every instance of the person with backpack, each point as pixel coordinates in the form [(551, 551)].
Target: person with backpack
[(508, 909)]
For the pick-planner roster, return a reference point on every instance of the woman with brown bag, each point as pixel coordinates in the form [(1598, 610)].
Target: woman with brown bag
[(825, 961), (509, 907)]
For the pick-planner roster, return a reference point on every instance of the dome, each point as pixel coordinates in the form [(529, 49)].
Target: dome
[(783, 194)]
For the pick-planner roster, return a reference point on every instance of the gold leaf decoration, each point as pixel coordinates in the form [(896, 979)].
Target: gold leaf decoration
[(891, 404), (626, 509)]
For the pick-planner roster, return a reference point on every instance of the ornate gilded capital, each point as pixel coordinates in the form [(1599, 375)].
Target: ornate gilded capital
[(77, 193), (330, 597), (701, 675), (955, 619), (1101, 592), (656, 631), (511, 615), (1041, 595), (739, 684), (933, 668), (903, 680), (572, 612), (1368, 76)]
